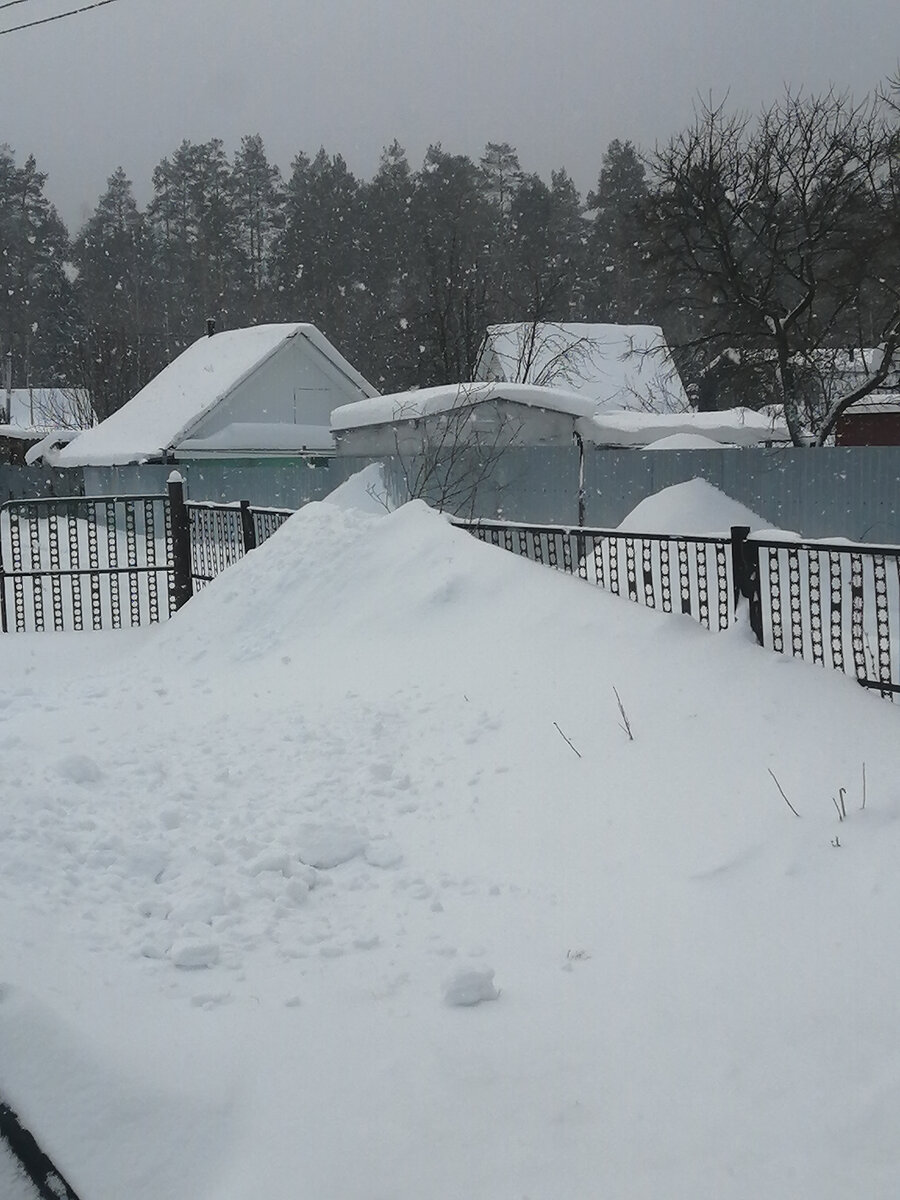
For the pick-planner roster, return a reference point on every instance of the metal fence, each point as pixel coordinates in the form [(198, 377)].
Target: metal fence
[(834, 604), (116, 562), (223, 533)]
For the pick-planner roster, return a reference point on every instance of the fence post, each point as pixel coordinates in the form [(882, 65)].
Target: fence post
[(248, 529), (745, 575), (2, 583), (181, 583)]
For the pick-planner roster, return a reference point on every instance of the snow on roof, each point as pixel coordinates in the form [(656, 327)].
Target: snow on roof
[(734, 426), (42, 409), (47, 449), (261, 437), (171, 405), (875, 402), (618, 366), (412, 406)]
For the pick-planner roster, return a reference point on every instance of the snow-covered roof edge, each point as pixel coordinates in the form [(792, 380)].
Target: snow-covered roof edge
[(412, 406)]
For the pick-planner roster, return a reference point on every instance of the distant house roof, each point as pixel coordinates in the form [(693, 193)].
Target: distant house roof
[(42, 409), (426, 402), (616, 366), (172, 405)]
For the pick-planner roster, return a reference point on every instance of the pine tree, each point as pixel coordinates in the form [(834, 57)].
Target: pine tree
[(200, 258), (617, 262), (118, 345), (36, 306), (452, 227), (319, 255), (258, 192)]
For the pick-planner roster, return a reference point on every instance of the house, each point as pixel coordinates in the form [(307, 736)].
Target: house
[(521, 414), (28, 415), (874, 421), (262, 392), (615, 366)]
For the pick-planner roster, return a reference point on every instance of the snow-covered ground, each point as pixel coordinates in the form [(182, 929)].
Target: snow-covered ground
[(347, 882)]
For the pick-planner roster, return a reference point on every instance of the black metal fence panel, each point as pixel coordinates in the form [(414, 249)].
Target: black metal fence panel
[(833, 604), (79, 563), (84, 563), (223, 533), (687, 574)]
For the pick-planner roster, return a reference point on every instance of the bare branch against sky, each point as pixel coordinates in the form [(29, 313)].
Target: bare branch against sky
[(124, 85)]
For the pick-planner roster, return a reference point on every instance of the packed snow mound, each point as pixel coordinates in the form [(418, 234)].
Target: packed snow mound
[(695, 507), (688, 441), (252, 860), (364, 492), (470, 986)]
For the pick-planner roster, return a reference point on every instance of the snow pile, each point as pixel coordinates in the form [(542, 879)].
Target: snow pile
[(688, 441), (252, 861), (729, 427), (466, 988), (694, 507)]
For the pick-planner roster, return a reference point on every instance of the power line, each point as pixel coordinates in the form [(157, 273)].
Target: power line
[(12, 3), (73, 12)]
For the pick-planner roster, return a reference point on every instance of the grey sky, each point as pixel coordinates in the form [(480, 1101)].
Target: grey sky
[(123, 85)]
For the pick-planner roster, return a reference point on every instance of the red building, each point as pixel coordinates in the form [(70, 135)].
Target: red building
[(874, 421)]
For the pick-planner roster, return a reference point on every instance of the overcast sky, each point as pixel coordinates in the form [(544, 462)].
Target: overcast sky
[(123, 85)]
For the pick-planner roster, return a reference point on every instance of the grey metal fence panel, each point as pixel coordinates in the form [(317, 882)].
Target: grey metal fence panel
[(37, 483), (842, 491), (267, 482)]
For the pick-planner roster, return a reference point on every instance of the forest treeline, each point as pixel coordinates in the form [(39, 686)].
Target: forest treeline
[(756, 242)]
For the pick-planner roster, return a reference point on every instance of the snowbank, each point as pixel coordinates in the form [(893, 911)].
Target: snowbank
[(341, 766), (695, 507)]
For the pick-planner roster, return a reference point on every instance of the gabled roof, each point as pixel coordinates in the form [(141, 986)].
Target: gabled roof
[(412, 406), (172, 405), (617, 366)]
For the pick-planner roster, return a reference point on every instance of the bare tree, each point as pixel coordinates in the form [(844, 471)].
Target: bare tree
[(775, 231), (458, 452)]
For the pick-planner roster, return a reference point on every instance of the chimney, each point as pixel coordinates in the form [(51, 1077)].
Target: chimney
[(210, 326)]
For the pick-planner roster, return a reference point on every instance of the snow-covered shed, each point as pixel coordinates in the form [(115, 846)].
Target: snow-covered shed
[(523, 414), (616, 366), (514, 414), (267, 390)]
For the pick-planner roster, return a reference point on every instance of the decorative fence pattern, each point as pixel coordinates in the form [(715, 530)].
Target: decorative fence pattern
[(98, 563), (84, 563), (223, 533), (110, 563), (670, 573), (795, 590)]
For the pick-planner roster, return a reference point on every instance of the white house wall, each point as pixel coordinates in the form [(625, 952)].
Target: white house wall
[(496, 422), (296, 386)]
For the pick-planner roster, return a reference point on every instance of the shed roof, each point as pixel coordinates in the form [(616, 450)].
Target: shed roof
[(412, 406), (170, 407)]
